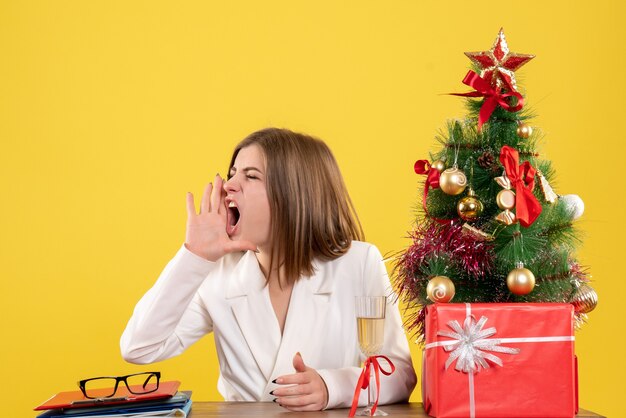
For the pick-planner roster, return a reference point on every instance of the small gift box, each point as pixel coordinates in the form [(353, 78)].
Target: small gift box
[(500, 360)]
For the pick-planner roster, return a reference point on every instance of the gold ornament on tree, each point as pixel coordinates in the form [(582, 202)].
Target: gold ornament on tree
[(506, 218), (438, 165), (524, 131), (440, 289), (548, 193), (477, 234), (505, 201), (470, 208), (585, 299), (452, 180), (520, 280)]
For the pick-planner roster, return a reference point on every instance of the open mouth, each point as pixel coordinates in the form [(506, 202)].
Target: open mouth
[(233, 217)]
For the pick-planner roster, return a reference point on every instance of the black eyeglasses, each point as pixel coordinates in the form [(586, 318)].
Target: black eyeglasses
[(105, 387)]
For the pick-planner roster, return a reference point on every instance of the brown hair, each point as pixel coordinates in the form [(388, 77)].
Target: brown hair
[(310, 210)]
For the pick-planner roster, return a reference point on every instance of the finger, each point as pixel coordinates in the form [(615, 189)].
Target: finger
[(205, 204), (223, 209), (191, 206), (300, 403), (293, 390), (216, 195), (298, 363), (235, 246), (294, 379), (307, 408)]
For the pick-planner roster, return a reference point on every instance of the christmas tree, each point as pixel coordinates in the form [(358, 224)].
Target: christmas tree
[(490, 227)]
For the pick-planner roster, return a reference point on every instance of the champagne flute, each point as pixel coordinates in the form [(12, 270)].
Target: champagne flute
[(370, 317)]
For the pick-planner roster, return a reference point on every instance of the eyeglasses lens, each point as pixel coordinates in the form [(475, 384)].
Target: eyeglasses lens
[(100, 388), (142, 383)]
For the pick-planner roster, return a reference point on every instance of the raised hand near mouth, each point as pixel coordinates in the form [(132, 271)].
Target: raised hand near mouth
[(206, 231)]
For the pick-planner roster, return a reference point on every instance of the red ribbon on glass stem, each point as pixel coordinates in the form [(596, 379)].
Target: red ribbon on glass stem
[(364, 381), (522, 176), (493, 97)]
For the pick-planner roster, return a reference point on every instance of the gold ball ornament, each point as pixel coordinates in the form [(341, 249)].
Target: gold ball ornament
[(453, 181), (520, 280), (585, 299), (469, 208), (440, 289), (524, 131), (438, 165)]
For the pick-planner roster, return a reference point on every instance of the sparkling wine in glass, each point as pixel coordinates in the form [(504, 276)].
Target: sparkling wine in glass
[(370, 320)]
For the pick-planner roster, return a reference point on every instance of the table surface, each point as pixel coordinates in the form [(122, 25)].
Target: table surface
[(270, 409)]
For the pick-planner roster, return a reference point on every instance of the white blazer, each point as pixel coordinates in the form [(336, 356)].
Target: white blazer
[(193, 297)]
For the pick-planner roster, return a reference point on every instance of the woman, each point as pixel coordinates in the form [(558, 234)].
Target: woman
[(271, 265)]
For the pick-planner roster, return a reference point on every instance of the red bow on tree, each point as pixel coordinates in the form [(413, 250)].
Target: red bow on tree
[(493, 96), (522, 176), (424, 167), (432, 180)]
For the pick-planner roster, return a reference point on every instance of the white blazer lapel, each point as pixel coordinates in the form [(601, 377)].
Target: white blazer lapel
[(306, 321), (253, 312)]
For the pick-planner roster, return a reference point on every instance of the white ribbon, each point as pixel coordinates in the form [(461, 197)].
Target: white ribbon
[(472, 344)]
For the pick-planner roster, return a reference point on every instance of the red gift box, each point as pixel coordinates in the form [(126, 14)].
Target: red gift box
[(500, 360)]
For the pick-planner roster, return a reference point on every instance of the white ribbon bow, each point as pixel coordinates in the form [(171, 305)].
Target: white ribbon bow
[(472, 344)]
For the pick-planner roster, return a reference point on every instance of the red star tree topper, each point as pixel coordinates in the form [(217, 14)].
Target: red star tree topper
[(499, 64)]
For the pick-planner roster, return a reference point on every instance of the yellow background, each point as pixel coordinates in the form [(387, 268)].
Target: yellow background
[(110, 111)]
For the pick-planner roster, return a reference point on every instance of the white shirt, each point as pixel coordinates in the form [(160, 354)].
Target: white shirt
[(230, 298)]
